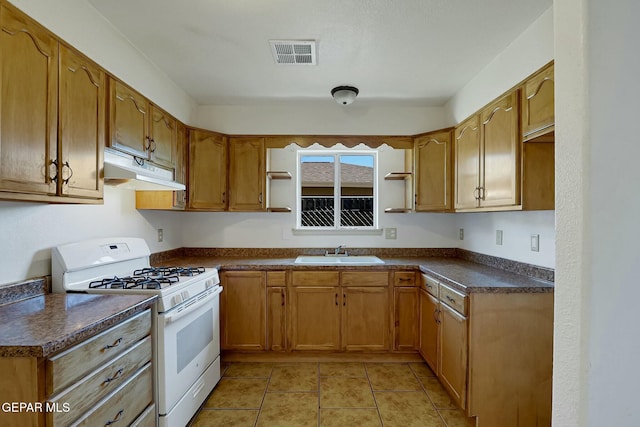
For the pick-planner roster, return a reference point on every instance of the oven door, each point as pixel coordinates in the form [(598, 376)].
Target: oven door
[(188, 342)]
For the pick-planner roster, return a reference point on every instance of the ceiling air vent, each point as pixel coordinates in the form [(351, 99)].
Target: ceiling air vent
[(301, 52)]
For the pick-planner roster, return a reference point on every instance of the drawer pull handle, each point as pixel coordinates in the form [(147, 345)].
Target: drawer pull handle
[(336, 299), (405, 279), (451, 299), (430, 286), (115, 344), (116, 419), (115, 376), (435, 315), (344, 300)]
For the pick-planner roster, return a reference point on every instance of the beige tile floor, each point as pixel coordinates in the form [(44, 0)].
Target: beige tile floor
[(328, 394)]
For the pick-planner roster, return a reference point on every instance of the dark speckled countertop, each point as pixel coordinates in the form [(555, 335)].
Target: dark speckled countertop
[(46, 324), (464, 275)]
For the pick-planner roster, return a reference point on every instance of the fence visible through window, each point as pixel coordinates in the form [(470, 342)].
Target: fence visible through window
[(318, 211)]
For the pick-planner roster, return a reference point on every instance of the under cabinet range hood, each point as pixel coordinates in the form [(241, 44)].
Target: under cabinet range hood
[(130, 172)]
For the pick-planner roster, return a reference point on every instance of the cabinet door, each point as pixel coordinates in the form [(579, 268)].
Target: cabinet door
[(433, 172), (467, 163), (453, 353), (28, 105), (429, 327), (499, 172), (162, 150), (315, 317), (406, 318), (82, 125), (207, 171), (129, 114), (180, 197), (243, 312), (276, 318), (365, 318), (538, 114), (246, 174)]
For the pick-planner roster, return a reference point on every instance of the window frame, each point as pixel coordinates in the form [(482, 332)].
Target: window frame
[(336, 189)]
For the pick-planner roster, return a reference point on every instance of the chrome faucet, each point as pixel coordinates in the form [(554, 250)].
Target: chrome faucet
[(339, 248)]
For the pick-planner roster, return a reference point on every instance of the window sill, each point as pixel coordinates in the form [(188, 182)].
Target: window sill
[(337, 231)]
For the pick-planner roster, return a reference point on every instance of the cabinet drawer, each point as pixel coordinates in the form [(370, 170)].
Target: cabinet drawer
[(276, 278), (316, 278), (100, 383), (453, 299), (69, 366), (147, 418), (126, 404), (365, 278), (404, 278), (429, 284)]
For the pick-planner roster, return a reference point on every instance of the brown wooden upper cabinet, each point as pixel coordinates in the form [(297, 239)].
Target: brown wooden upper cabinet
[(140, 128), (51, 123), (433, 172), (467, 163), (538, 113), (82, 125), (246, 174), (207, 171), (487, 156)]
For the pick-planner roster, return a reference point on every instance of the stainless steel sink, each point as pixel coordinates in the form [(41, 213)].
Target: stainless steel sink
[(338, 260)]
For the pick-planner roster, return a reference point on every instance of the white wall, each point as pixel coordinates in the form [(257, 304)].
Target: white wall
[(526, 54), (78, 23), (596, 335), (517, 227), (315, 118), (29, 230)]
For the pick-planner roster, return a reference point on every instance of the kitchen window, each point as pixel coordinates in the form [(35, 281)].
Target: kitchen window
[(337, 190)]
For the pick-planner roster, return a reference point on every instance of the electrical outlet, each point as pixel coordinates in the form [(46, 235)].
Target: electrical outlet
[(390, 233), (461, 234), (160, 234), (535, 242), (499, 237)]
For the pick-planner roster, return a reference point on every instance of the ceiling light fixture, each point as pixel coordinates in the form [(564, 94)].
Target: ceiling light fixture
[(344, 95)]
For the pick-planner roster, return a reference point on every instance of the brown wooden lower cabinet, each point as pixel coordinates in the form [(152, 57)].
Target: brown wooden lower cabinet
[(71, 385), (365, 314), (491, 351), (276, 318), (429, 329), (406, 318), (315, 317), (453, 353), (243, 310)]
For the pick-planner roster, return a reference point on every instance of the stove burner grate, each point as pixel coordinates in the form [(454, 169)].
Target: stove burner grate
[(134, 282), (169, 271)]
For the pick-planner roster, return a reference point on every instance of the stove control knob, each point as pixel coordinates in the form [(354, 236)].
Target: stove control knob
[(185, 295), (177, 299), (209, 283)]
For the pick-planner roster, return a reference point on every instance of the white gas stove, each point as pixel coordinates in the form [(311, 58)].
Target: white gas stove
[(185, 318)]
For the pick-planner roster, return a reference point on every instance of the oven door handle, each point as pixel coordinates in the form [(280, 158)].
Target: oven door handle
[(174, 316)]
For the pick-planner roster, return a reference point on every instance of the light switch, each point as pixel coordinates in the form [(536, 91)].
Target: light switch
[(390, 233), (499, 237), (461, 234), (535, 242)]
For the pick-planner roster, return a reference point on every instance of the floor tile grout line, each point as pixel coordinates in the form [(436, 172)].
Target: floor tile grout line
[(375, 400), (429, 396), (264, 395)]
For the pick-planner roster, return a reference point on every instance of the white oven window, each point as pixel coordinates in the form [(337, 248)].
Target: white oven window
[(194, 338)]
